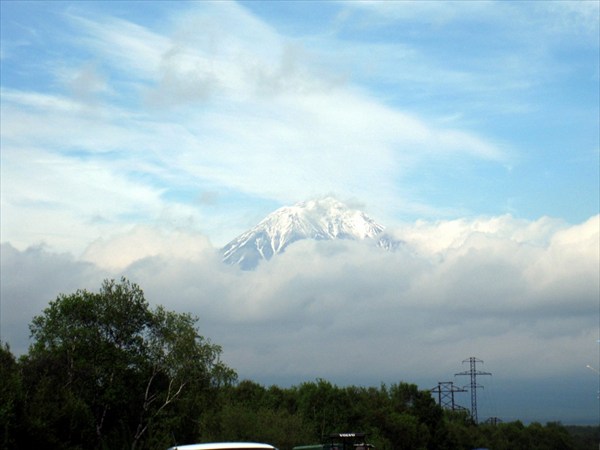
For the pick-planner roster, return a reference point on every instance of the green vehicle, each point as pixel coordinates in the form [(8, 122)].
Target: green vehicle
[(341, 441)]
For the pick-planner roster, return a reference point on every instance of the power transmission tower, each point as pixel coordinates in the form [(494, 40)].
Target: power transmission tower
[(493, 421), (473, 372), (445, 391)]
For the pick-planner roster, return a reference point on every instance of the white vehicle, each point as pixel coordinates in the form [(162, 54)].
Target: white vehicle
[(225, 446)]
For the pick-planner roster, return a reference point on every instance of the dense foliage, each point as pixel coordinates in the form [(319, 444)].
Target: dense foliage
[(105, 371), (398, 417)]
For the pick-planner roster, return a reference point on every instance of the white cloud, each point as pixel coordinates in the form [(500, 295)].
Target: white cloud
[(442, 236), (118, 252), (436, 13), (57, 200), (486, 285), (343, 297), (574, 18), (29, 280), (133, 49), (577, 17)]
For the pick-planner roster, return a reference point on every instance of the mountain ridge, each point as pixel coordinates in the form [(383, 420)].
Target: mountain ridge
[(321, 219)]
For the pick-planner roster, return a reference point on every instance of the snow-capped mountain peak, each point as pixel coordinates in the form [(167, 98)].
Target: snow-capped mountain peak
[(322, 219)]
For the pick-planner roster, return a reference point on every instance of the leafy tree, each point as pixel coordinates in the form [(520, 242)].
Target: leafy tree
[(322, 404), (106, 371), (250, 412), (11, 400), (244, 423), (584, 437)]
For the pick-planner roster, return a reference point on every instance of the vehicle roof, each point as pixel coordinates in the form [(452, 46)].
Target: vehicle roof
[(223, 446)]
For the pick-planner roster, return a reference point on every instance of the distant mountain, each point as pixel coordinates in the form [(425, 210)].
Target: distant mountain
[(324, 219)]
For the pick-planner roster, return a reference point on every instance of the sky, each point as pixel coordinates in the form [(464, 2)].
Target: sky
[(137, 138)]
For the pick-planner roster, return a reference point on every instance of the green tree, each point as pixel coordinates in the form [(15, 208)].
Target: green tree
[(106, 371), (11, 399), (322, 404), (273, 425)]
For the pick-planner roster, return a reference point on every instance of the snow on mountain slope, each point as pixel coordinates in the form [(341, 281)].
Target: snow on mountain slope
[(324, 219)]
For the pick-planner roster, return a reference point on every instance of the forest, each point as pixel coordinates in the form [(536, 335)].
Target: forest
[(106, 371)]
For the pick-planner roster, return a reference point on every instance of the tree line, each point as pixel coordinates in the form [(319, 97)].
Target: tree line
[(107, 371)]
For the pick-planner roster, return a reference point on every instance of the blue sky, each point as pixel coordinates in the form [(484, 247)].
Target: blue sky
[(137, 130)]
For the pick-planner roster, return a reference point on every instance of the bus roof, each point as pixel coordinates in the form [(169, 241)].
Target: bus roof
[(225, 446)]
